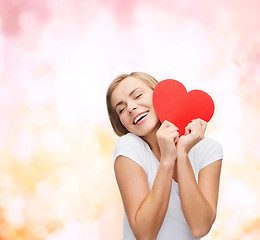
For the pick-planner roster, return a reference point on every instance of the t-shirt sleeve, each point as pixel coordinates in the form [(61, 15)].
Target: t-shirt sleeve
[(129, 146), (211, 151)]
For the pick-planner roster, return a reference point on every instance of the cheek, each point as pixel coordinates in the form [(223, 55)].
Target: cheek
[(148, 100), (154, 114), (123, 120)]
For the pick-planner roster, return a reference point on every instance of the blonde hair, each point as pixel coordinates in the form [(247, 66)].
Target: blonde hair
[(118, 127)]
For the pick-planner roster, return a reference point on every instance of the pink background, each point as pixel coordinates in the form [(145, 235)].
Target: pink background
[(56, 144)]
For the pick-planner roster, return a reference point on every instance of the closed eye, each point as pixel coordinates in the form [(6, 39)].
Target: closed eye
[(139, 95), (121, 110)]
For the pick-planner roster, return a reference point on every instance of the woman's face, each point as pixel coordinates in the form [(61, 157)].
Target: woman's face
[(132, 100)]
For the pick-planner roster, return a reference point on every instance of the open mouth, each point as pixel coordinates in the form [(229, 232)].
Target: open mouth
[(139, 117)]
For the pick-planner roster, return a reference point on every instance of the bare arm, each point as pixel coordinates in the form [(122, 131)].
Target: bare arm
[(199, 201), (146, 209)]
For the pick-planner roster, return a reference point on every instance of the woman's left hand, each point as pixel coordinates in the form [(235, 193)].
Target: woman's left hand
[(194, 133)]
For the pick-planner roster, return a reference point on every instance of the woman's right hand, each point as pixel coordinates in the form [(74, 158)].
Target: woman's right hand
[(167, 137)]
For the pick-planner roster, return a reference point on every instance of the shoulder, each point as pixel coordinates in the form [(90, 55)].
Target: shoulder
[(129, 138), (129, 142), (132, 147), (207, 151), (209, 144)]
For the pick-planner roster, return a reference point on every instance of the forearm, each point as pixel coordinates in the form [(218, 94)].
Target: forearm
[(197, 210), (151, 213)]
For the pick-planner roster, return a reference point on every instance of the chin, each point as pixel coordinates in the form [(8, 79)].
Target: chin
[(148, 132)]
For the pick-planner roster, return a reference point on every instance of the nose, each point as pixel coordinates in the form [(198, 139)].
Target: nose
[(131, 107)]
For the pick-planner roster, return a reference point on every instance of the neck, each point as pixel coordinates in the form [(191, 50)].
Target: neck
[(152, 141)]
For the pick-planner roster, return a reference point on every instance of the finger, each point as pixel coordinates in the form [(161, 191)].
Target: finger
[(197, 125), (170, 131), (203, 124), (173, 128), (193, 127), (196, 120), (198, 128), (187, 130), (174, 137), (166, 124)]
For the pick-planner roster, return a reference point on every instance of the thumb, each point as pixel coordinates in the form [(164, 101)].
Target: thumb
[(187, 131)]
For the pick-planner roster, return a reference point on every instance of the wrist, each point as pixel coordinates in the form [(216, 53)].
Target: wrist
[(182, 150), (167, 162), (182, 153)]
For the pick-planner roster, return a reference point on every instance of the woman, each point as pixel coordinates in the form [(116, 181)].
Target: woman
[(169, 184)]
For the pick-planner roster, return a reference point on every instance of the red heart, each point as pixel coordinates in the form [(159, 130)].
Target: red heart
[(173, 103)]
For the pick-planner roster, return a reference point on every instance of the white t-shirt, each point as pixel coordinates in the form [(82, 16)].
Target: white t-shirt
[(202, 154)]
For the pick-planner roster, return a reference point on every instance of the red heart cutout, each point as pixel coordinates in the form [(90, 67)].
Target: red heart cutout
[(173, 103)]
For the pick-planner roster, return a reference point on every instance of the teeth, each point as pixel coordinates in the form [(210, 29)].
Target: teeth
[(139, 117)]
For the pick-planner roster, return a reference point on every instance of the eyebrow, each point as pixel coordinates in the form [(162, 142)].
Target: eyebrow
[(130, 94)]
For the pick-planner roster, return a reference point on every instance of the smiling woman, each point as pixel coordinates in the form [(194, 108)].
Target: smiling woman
[(131, 100), (118, 127), (168, 184)]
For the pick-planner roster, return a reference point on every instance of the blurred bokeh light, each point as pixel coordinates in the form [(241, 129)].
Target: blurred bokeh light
[(56, 144)]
